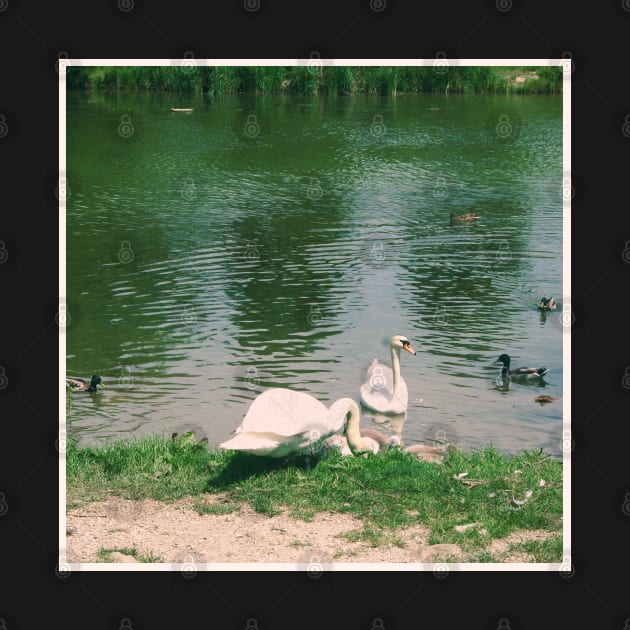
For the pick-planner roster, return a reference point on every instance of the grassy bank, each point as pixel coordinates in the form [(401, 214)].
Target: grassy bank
[(320, 79), (493, 494)]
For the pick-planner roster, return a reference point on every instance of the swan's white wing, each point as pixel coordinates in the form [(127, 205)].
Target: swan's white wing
[(377, 391), (283, 412), (374, 373), (269, 444)]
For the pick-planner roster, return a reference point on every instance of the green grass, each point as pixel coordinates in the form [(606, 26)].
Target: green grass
[(386, 492), (104, 555)]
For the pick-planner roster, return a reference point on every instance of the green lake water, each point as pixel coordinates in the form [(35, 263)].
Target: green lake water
[(276, 241)]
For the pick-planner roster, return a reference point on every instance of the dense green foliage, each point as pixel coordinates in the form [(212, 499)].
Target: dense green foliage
[(319, 78)]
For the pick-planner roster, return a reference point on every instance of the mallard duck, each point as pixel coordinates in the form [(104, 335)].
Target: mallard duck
[(520, 373), (547, 304), (81, 385), (469, 216), (545, 399)]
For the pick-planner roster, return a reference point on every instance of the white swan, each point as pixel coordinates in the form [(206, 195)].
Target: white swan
[(374, 440), (385, 390), (282, 421)]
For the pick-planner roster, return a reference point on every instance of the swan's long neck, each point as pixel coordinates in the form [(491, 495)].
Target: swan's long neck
[(353, 434), (396, 367)]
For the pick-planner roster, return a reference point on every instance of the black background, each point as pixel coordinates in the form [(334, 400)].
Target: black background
[(32, 36)]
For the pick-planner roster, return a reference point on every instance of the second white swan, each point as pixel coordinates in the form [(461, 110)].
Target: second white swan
[(385, 390)]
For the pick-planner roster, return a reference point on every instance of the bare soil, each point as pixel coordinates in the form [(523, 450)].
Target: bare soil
[(178, 533)]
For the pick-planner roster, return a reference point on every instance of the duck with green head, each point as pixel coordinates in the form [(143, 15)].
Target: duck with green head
[(520, 373), (81, 385)]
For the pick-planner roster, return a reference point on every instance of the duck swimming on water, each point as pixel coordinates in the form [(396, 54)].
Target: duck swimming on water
[(82, 385), (520, 373), (547, 304), (462, 218)]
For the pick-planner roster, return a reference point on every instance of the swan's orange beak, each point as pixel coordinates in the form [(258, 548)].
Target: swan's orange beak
[(408, 348)]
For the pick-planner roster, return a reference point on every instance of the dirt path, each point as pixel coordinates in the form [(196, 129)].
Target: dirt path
[(177, 533)]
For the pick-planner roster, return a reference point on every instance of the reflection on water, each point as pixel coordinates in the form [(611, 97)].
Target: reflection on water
[(206, 263)]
